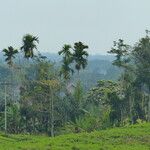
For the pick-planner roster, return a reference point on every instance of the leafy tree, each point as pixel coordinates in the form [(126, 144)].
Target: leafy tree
[(39, 97), (141, 54), (121, 50), (135, 78), (107, 97)]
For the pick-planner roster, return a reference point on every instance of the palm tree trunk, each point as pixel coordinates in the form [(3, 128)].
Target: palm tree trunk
[(131, 107), (5, 110), (12, 85), (148, 118), (52, 114)]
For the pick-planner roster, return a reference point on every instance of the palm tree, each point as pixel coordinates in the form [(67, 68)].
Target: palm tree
[(66, 51), (10, 55), (66, 69), (29, 44), (67, 60), (80, 56), (80, 59)]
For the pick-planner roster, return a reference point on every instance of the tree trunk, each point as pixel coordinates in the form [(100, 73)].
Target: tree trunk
[(148, 118), (52, 114), (5, 110), (131, 107)]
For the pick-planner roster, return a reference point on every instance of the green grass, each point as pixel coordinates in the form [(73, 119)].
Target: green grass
[(135, 137)]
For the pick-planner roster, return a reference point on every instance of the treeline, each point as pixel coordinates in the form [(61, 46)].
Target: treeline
[(40, 97)]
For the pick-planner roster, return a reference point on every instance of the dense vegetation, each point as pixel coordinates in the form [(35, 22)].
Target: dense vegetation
[(135, 137), (42, 97)]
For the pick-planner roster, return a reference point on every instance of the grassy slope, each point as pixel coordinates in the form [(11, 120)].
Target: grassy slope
[(135, 137)]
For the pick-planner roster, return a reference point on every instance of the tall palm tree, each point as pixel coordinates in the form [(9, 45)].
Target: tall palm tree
[(10, 55), (66, 70), (29, 44), (80, 56)]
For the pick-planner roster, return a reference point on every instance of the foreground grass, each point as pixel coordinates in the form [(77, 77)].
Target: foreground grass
[(135, 137)]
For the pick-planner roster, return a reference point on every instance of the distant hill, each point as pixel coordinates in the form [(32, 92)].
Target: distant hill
[(56, 57), (102, 57), (96, 70), (99, 68)]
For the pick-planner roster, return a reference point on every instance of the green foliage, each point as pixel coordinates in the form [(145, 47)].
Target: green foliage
[(45, 105), (80, 55), (121, 50), (78, 93), (88, 123), (67, 60), (39, 94), (134, 137), (29, 44), (135, 81), (10, 55)]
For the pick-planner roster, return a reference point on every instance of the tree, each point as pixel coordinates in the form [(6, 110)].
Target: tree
[(135, 85), (141, 55), (39, 98), (66, 51), (106, 97), (67, 60), (29, 44), (80, 56), (10, 55), (80, 59), (121, 50)]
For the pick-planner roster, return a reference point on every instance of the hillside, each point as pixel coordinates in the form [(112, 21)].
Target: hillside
[(99, 68), (135, 137)]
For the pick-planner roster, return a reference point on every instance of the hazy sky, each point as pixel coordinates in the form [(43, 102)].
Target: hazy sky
[(56, 22)]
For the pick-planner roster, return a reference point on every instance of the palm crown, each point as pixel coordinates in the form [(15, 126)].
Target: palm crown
[(29, 44), (10, 54), (80, 55), (67, 59)]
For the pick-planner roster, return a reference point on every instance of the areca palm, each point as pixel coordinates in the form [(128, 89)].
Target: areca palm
[(66, 69), (80, 56), (10, 55), (67, 60), (29, 44), (66, 51)]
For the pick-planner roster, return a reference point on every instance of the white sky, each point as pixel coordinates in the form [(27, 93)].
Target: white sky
[(56, 22)]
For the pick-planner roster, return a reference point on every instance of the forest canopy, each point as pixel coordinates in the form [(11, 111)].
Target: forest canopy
[(40, 96)]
